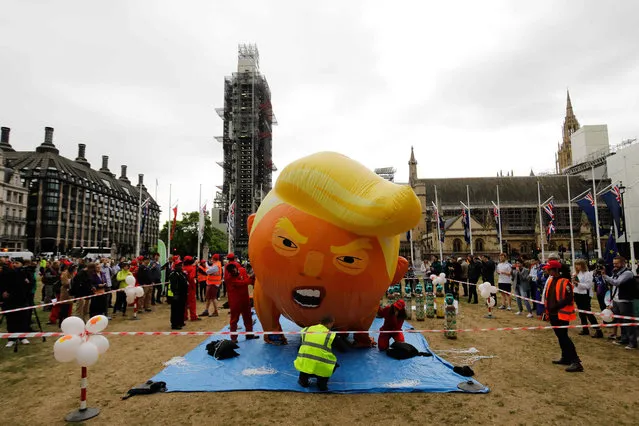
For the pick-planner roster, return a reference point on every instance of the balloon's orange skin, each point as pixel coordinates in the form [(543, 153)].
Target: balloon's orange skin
[(281, 270)]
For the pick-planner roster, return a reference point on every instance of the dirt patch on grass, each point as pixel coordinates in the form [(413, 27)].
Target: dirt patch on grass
[(525, 387)]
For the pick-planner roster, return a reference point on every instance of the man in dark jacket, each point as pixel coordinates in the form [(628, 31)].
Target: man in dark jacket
[(488, 269), (15, 292), (474, 272), (156, 278), (179, 287)]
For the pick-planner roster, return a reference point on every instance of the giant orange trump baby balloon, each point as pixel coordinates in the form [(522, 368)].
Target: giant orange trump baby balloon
[(326, 241)]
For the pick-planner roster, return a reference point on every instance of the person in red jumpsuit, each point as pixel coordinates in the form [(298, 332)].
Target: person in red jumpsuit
[(237, 282), (191, 300), (394, 316)]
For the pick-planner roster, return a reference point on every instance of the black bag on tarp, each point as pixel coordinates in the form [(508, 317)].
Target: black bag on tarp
[(222, 349), (403, 350), (146, 389)]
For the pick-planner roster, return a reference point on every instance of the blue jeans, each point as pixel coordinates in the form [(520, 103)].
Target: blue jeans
[(520, 291)]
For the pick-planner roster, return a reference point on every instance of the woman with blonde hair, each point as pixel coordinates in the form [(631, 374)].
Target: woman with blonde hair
[(583, 284)]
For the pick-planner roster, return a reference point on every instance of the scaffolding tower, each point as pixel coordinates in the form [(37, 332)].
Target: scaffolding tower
[(387, 173), (247, 144)]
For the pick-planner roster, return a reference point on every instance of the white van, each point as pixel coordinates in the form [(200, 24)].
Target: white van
[(25, 255)]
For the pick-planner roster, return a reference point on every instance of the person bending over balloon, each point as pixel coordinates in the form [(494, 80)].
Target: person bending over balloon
[(237, 282), (326, 240), (394, 316)]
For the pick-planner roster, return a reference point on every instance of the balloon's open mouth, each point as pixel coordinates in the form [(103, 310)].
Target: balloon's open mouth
[(308, 297)]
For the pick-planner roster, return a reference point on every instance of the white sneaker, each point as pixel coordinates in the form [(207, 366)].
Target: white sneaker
[(518, 313), (25, 341), (529, 316), (508, 309), (10, 344)]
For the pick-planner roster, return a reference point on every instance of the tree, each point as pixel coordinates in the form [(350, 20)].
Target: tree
[(185, 236)]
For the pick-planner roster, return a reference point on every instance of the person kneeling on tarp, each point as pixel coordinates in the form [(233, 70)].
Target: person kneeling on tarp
[(315, 357), (394, 316)]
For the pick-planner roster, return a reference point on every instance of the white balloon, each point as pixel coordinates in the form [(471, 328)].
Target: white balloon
[(130, 300), (129, 291), (482, 286), (607, 315), (493, 289), (433, 277), (487, 283), (100, 342), (130, 280), (485, 293), (87, 354), (72, 325), (442, 275), (66, 347), (139, 292), (97, 323), (491, 302)]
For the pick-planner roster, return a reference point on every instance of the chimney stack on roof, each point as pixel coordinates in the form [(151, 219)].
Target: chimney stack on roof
[(47, 145), (81, 155), (123, 177), (105, 166), (4, 140)]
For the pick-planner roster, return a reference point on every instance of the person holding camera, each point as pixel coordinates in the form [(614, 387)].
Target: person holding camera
[(624, 292)]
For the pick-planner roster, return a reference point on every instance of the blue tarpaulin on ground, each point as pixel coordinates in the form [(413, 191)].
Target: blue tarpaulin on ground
[(265, 367)]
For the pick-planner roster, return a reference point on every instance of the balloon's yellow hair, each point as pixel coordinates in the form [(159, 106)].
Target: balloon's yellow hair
[(343, 192)]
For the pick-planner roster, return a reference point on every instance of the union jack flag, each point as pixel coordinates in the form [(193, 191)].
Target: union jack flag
[(550, 209), (589, 198), (496, 213), (615, 190)]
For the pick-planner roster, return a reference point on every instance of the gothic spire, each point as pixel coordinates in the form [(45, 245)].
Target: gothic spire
[(412, 156)]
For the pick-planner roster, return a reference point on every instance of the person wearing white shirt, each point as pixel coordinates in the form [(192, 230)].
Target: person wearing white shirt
[(504, 271), (583, 284)]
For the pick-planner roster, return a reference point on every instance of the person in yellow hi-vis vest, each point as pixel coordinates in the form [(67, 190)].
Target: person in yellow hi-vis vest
[(315, 357)]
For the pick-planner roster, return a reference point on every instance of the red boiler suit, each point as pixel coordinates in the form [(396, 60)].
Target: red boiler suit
[(191, 300), (238, 294), (391, 323)]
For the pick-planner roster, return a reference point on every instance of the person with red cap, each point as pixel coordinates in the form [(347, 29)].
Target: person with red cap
[(201, 280), (394, 316), (237, 282), (191, 300), (213, 282), (560, 307)]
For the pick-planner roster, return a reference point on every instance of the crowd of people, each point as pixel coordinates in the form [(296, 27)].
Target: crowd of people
[(93, 281), (613, 286)]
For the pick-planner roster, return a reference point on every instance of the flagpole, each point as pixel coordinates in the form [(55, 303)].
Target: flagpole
[(541, 224), (594, 192), (572, 236), (168, 234), (501, 241), (199, 218), (137, 240), (470, 226), (439, 237), (228, 217), (412, 251)]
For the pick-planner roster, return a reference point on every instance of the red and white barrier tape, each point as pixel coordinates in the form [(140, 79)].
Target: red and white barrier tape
[(540, 303), (8, 311), (259, 333)]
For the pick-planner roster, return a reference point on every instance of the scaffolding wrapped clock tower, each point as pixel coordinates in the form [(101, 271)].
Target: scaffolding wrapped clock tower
[(247, 144)]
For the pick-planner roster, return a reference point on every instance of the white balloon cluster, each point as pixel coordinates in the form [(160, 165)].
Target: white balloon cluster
[(132, 292), (441, 279), (486, 289), (607, 315), (80, 342)]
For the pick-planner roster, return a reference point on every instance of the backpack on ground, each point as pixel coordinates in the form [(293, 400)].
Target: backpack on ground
[(403, 350)]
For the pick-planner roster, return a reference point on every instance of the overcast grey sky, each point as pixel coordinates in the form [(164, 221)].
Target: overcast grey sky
[(474, 86)]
